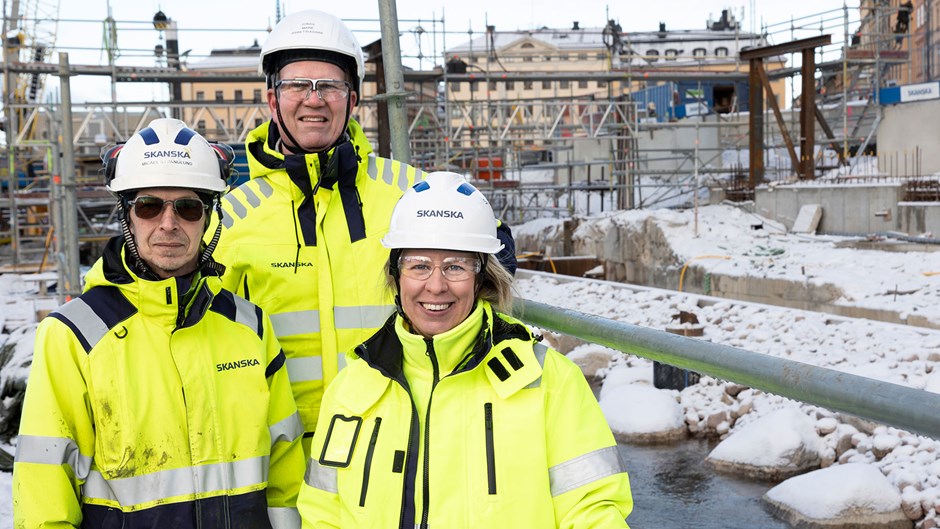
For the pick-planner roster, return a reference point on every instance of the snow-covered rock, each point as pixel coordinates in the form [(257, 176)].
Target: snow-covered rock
[(776, 446), (854, 496), (639, 413)]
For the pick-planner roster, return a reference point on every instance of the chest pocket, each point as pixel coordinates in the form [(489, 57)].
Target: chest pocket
[(340, 441)]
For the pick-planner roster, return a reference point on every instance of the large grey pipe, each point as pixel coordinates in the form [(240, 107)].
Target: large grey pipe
[(903, 407)]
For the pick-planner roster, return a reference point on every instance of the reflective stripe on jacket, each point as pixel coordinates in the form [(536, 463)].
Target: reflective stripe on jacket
[(305, 259), (140, 413), (481, 427)]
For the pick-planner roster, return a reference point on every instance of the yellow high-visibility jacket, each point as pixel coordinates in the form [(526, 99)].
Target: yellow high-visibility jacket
[(479, 427), (307, 249), (143, 411)]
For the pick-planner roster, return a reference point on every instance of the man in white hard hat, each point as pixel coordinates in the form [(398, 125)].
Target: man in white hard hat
[(156, 398), (302, 236)]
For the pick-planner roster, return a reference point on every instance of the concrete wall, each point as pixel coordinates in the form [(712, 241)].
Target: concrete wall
[(586, 151), (920, 219), (680, 142), (846, 208), (636, 251), (907, 128)]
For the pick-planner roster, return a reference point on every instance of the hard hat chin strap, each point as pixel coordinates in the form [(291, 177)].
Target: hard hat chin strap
[(205, 260), (135, 261)]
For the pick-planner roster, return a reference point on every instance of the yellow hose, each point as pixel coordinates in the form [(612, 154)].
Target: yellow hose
[(537, 254)]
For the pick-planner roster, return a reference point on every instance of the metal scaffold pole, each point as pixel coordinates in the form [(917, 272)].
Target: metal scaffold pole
[(67, 234), (395, 81)]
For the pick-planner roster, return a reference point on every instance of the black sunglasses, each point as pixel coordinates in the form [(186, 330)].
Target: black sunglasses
[(190, 209)]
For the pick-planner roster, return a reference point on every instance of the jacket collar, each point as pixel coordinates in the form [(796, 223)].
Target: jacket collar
[(161, 299), (264, 158), (383, 353)]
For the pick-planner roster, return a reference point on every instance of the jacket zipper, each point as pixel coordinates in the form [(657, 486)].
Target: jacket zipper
[(293, 208), (490, 448), (427, 438), (368, 463)]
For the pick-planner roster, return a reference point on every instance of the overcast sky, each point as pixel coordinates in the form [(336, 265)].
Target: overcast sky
[(204, 25)]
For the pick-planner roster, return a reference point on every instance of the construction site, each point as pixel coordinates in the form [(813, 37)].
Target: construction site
[(550, 122)]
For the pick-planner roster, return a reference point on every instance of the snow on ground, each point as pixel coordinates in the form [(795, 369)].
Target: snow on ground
[(727, 243), (896, 353)]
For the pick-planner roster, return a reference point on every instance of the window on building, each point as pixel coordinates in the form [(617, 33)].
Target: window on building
[(510, 85), (721, 51), (491, 86), (238, 96), (201, 126), (602, 84), (474, 86), (652, 55), (258, 122), (547, 58), (527, 58), (672, 54), (239, 124), (582, 56), (200, 95), (219, 96), (582, 83), (564, 85), (256, 95), (546, 85), (699, 53), (601, 56), (527, 85), (455, 86)]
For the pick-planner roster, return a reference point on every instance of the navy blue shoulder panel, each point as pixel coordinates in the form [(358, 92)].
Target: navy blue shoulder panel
[(239, 310), (94, 313), (224, 304)]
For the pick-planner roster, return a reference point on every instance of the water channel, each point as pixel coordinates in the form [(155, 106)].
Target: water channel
[(673, 488)]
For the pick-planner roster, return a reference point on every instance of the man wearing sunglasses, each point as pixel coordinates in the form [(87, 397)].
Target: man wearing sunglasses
[(156, 398)]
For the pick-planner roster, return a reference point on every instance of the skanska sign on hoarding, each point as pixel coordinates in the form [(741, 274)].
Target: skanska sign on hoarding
[(909, 93)]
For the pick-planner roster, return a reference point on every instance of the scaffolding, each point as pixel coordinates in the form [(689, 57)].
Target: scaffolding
[(550, 156)]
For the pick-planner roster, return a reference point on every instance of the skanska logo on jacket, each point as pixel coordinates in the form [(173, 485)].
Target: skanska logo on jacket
[(440, 213), (245, 362), (287, 264)]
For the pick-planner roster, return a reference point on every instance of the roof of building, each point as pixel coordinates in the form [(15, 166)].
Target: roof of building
[(594, 38), (241, 58)]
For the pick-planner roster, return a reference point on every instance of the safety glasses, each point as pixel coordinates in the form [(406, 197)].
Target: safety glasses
[(454, 268), (300, 89), (188, 209)]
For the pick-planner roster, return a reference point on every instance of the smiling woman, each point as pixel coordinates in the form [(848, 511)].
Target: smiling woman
[(514, 424)]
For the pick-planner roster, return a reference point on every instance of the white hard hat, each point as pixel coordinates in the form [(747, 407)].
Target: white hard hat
[(444, 212), (167, 154), (313, 36)]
